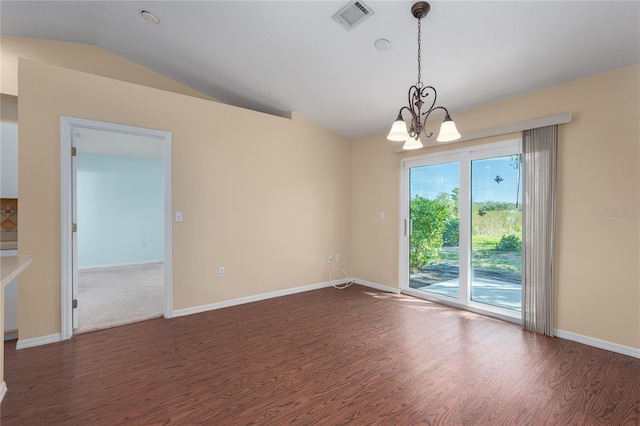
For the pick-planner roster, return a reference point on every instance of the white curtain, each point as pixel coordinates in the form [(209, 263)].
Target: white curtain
[(539, 165)]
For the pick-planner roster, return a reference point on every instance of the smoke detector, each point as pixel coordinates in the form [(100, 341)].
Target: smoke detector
[(352, 14)]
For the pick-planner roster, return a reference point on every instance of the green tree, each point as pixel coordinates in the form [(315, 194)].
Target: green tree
[(450, 201), (451, 235), (428, 223), (509, 242), (455, 197)]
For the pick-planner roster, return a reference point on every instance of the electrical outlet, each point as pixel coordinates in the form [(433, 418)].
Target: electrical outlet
[(337, 258), (330, 259), (221, 271)]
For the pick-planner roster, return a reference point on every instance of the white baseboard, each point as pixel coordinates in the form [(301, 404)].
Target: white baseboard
[(116, 265), (597, 343), (377, 286), (255, 298), (38, 341), (279, 293), (3, 390)]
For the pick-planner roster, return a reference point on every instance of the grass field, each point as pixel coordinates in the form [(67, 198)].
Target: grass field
[(489, 253), (484, 255)]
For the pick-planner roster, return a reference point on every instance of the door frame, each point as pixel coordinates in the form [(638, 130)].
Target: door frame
[(464, 155), (67, 126)]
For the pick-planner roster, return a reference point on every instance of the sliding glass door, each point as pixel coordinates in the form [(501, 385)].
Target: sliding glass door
[(496, 232), (461, 241), (434, 224)]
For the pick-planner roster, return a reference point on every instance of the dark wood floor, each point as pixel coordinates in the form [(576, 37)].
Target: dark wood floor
[(326, 357)]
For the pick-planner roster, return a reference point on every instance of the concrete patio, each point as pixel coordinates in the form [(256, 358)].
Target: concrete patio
[(490, 286), (489, 291)]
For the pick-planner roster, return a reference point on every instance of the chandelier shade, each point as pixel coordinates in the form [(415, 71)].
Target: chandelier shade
[(398, 131), (412, 143), (448, 131), (419, 96)]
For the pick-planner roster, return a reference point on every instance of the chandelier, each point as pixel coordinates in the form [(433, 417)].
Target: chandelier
[(419, 97)]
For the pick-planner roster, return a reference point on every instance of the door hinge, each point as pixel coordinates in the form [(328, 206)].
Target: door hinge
[(74, 227), (74, 151), (74, 303)]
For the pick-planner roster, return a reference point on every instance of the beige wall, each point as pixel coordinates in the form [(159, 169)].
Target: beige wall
[(269, 203), (79, 57), (266, 197), (597, 262)]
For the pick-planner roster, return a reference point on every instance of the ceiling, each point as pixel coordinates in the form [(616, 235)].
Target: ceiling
[(280, 56)]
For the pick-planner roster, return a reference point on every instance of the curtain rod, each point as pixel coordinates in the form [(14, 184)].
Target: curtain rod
[(551, 120)]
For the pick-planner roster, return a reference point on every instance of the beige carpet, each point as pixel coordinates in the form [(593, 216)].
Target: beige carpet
[(110, 297)]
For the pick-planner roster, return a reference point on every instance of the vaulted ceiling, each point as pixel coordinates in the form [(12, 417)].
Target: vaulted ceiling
[(279, 56)]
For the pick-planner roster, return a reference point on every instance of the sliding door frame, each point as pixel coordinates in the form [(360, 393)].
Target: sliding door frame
[(464, 156)]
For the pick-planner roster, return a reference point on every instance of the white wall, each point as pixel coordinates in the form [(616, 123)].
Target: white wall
[(8, 160), (120, 210), (9, 189)]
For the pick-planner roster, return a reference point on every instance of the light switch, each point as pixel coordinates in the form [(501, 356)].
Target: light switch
[(178, 216), (382, 215)]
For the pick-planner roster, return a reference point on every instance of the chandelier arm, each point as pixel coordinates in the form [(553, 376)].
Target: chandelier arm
[(413, 115), (414, 92), (415, 121), (424, 93), (426, 117)]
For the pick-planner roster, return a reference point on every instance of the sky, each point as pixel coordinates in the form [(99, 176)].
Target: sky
[(429, 181)]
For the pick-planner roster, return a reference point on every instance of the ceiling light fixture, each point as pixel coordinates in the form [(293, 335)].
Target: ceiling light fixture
[(149, 17), (418, 94), (382, 44)]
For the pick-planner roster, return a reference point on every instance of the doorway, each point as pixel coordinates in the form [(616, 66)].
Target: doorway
[(462, 241), (102, 167)]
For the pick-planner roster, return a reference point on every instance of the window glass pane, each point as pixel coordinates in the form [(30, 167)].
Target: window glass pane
[(496, 231), (434, 221)]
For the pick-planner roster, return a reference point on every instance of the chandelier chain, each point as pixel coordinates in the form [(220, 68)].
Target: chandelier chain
[(419, 85)]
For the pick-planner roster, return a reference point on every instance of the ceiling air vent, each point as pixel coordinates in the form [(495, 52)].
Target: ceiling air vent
[(352, 14)]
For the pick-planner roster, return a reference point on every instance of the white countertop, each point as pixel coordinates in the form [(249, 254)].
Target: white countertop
[(12, 266)]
